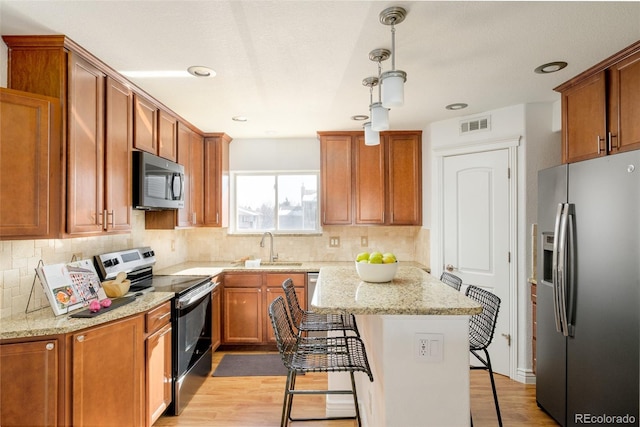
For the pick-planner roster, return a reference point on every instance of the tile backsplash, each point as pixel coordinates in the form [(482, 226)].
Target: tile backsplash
[(19, 258)]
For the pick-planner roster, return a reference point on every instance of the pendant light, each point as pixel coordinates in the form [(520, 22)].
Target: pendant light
[(379, 114), (392, 81), (371, 137)]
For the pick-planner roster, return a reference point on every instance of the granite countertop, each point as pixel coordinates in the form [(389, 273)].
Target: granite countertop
[(213, 268), (412, 292), (43, 322)]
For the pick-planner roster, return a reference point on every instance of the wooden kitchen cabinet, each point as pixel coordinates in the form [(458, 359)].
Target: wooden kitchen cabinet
[(107, 374), (216, 180), (158, 373), (167, 136), (145, 121), (31, 383), (216, 315), (246, 299), (98, 191), (371, 185), (600, 108), (30, 166), (196, 187)]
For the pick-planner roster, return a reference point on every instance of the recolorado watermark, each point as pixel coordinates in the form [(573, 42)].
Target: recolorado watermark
[(602, 419)]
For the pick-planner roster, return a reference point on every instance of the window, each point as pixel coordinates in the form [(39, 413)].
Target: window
[(278, 201)]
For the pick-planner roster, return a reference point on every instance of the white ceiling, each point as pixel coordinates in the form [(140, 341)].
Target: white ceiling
[(296, 67)]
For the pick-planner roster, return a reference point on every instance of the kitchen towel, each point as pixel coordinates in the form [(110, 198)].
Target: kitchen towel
[(247, 365)]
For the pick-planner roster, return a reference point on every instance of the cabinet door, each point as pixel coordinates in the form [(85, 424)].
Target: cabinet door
[(197, 179), (369, 182), (145, 124), (584, 120), (624, 105), (119, 132), (216, 181), (107, 374), (167, 136), (85, 148), (29, 379), (216, 318), (184, 158), (159, 377), (335, 175), (243, 315), (30, 173), (404, 154)]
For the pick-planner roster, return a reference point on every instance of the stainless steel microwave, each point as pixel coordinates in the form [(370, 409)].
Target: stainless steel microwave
[(157, 183)]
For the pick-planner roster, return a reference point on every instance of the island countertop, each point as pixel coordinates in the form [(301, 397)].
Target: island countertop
[(412, 292)]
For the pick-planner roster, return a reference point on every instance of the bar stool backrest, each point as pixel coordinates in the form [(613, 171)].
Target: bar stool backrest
[(283, 330), (483, 325), (297, 313), (451, 279)]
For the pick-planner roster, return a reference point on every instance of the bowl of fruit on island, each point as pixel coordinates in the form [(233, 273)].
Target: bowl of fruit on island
[(376, 267)]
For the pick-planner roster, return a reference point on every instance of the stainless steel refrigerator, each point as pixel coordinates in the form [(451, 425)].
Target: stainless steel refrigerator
[(588, 294)]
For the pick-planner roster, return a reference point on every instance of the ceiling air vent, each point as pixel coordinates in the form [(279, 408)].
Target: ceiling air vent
[(475, 124)]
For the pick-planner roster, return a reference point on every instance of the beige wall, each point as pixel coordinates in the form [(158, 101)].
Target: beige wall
[(18, 258)]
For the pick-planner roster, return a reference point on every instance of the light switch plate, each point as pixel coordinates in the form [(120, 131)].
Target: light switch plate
[(334, 242)]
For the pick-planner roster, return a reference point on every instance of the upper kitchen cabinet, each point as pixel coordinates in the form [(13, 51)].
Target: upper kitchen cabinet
[(371, 185), (31, 196), (145, 123), (216, 180), (167, 136), (155, 130), (601, 106), (95, 128)]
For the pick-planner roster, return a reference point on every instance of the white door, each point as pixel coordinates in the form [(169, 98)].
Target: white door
[(476, 233)]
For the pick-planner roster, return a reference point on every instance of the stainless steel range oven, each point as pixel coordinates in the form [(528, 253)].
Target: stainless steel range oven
[(191, 316)]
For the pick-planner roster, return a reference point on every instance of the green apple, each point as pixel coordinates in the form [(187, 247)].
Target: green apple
[(388, 258), (362, 256)]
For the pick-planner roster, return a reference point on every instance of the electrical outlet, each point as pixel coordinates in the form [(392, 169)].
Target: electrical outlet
[(364, 241), (173, 245), (334, 242), (429, 347)]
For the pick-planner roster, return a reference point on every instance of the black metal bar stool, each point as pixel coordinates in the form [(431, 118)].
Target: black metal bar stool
[(451, 279), (308, 321), (304, 354), (481, 329)]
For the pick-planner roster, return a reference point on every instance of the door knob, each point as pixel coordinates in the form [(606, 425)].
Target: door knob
[(450, 268)]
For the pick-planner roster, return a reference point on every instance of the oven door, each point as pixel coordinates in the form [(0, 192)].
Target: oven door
[(192, 344)]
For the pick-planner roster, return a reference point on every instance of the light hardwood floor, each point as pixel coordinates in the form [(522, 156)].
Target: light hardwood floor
[(257, 401)]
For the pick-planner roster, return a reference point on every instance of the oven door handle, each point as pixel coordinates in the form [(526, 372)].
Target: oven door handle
[(192, 296)]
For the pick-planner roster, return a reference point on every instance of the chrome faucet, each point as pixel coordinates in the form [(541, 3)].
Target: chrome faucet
[(272, 257)]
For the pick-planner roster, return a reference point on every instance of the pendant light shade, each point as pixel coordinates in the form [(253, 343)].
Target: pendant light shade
[(379, 117), (393, 88), (371, 137), (392, 82)]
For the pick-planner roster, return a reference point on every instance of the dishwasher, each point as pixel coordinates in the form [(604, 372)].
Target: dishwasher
[(312, 280)]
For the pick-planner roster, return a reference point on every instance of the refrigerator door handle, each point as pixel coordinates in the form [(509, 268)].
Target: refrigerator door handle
[(554, 267), (570, 273), (562, 270)]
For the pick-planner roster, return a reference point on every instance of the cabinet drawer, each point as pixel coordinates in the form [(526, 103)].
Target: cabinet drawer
[(158, 317), (243, 280), (276, 279)]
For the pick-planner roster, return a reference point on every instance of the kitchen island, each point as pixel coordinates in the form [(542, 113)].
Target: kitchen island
[(415, 329)]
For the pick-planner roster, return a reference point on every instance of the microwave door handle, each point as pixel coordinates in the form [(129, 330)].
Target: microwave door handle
[(179, 189), (554, 267)]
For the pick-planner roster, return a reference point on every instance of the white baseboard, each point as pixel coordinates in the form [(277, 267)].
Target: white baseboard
[(525, 376)]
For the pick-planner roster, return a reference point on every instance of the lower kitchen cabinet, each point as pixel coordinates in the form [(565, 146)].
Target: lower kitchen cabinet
[(216, 315), (158, 361), (107, 374), (246, 302), (30, 383), (114, 374)]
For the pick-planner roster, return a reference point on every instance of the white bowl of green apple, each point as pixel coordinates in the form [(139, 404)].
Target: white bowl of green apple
[(376, 267)]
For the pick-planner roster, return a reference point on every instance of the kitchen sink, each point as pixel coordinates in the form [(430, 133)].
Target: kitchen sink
[(281, 263)]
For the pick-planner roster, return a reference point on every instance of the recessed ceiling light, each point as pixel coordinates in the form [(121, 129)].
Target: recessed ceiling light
[(239, 118), (359, 117), (200, 71), (456, 106), (550, 67)]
